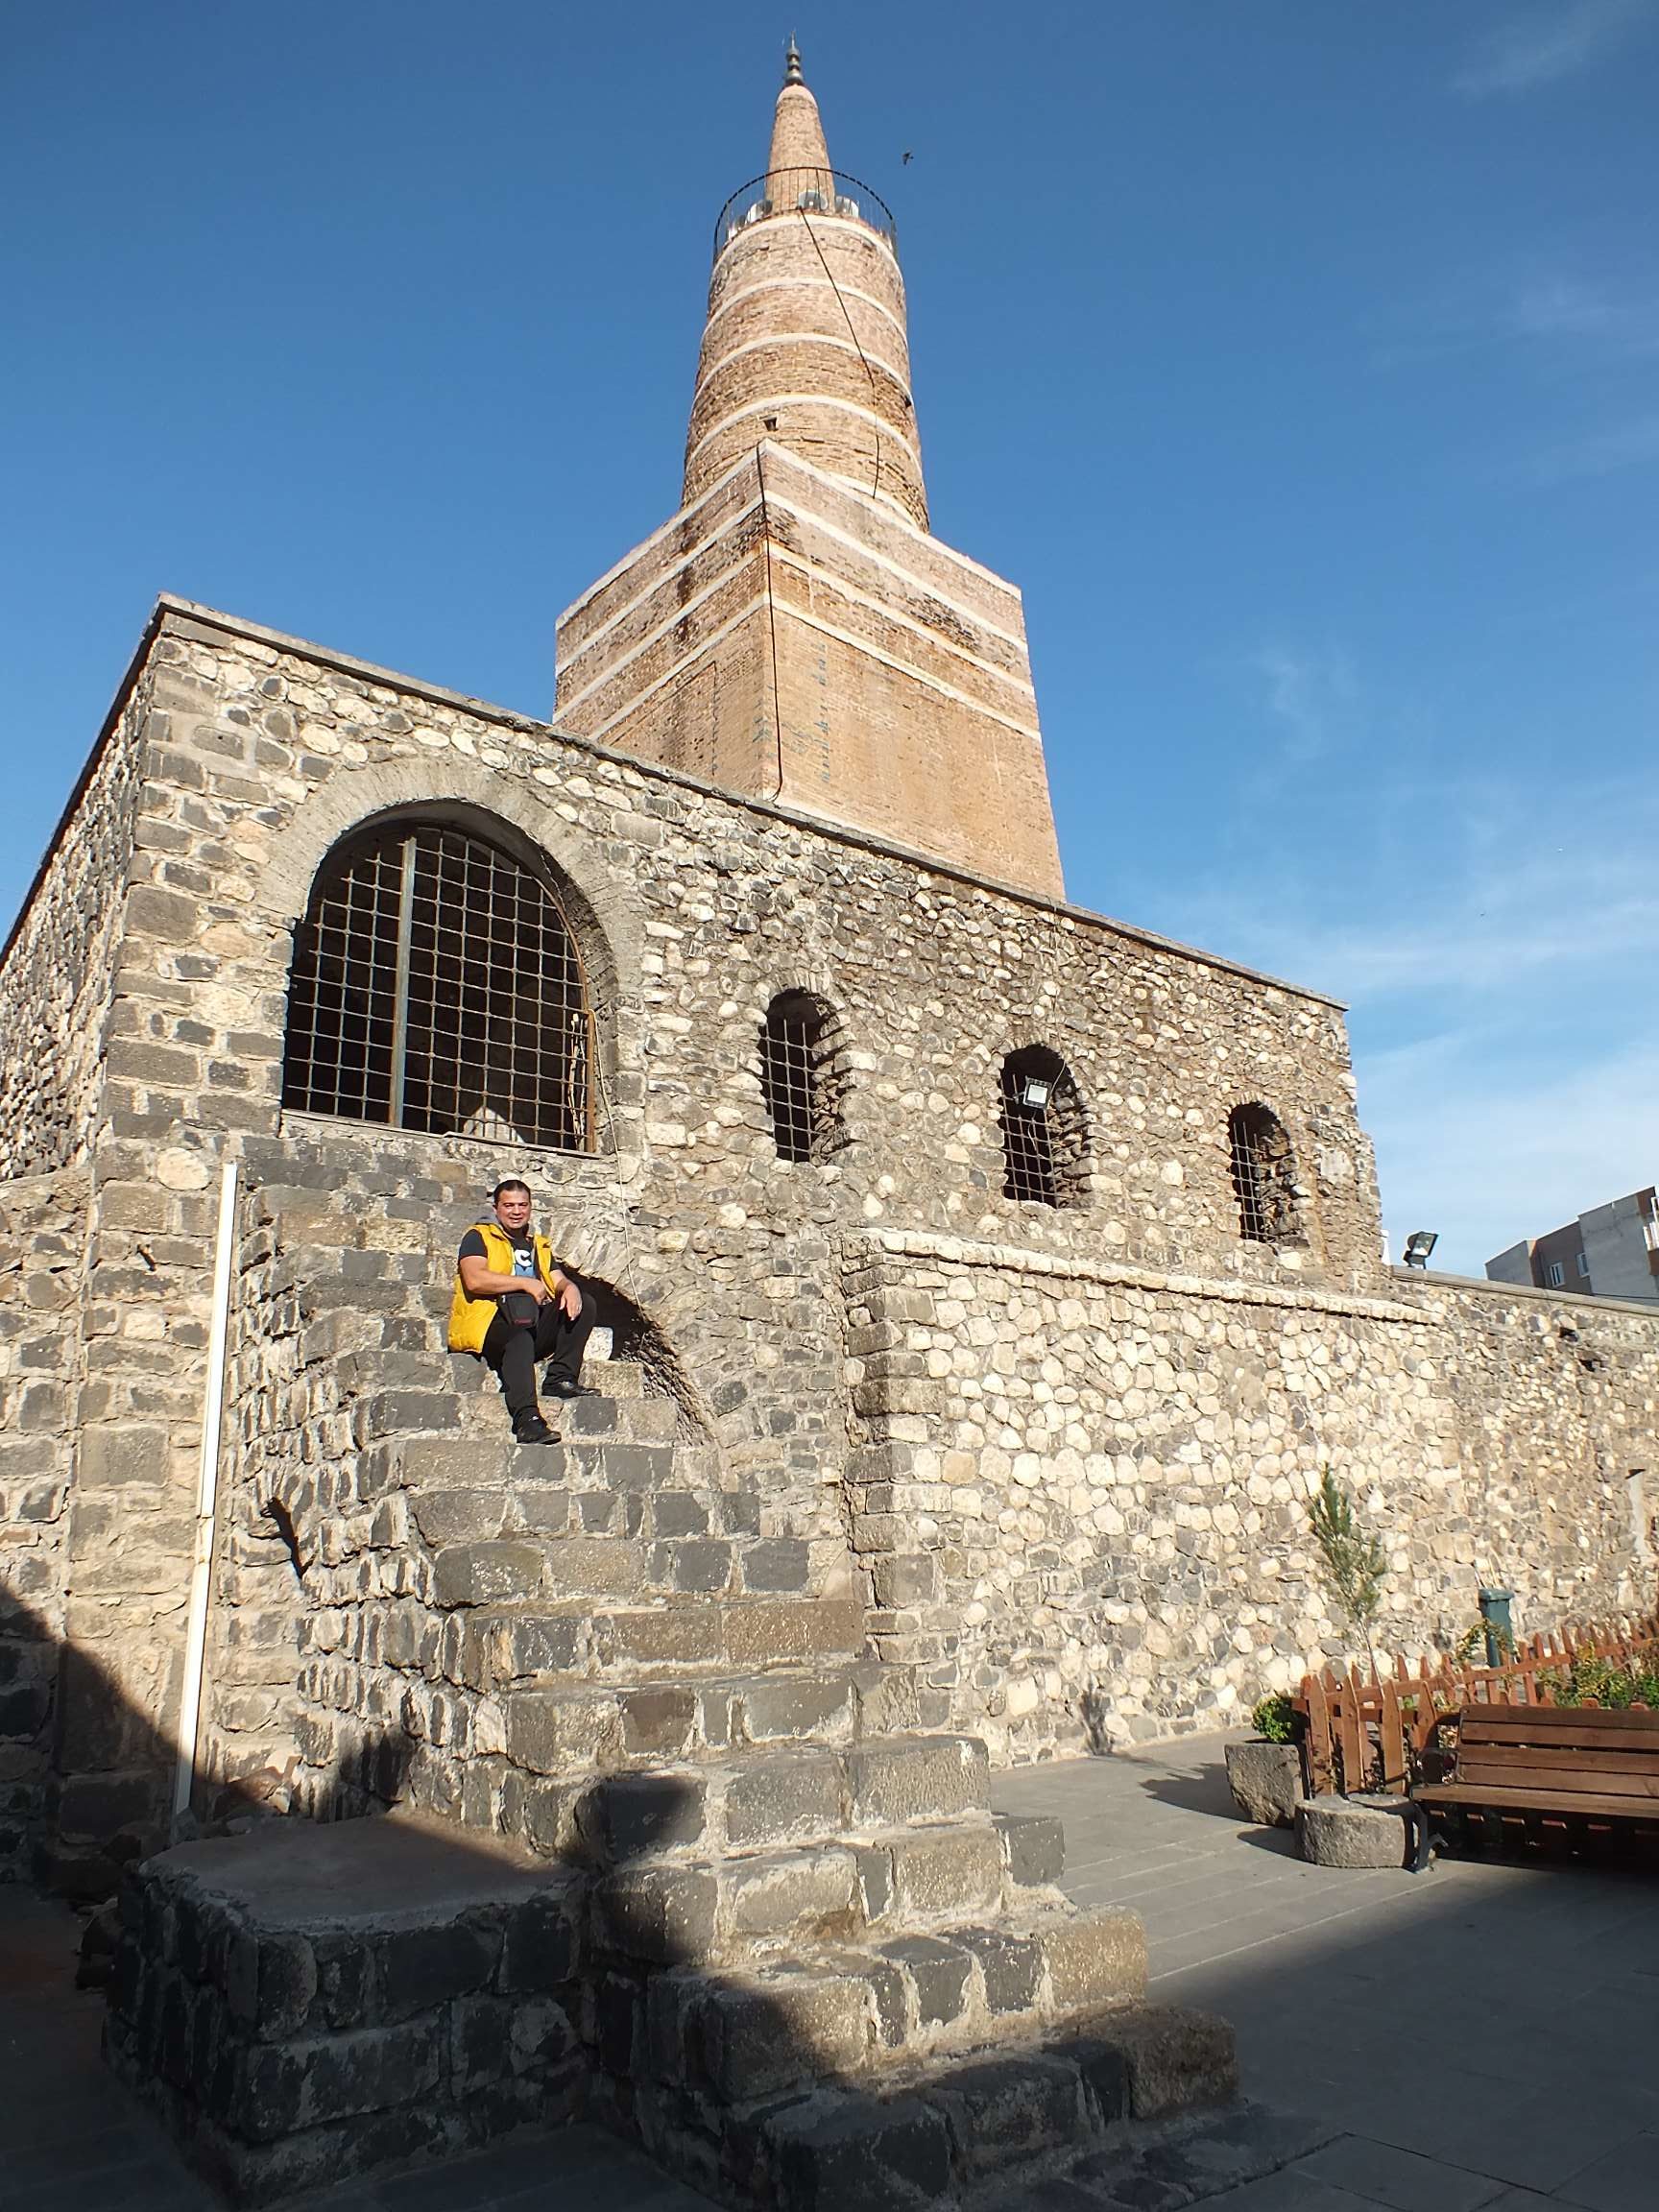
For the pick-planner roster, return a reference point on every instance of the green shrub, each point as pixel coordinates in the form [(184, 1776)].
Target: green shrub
[(1610, 1682), (1352, 1560), (1275, 1717)]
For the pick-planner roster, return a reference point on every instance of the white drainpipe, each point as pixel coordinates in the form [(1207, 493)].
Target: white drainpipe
[(207, 1495)]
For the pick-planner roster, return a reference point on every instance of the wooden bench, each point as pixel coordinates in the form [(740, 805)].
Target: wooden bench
[(1551, 1764)]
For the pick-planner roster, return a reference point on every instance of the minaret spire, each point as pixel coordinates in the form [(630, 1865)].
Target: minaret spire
[(806, 342), (799, 159)]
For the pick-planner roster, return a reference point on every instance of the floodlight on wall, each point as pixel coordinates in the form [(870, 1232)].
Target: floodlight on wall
[(1034, 1092), (1418, 1246)]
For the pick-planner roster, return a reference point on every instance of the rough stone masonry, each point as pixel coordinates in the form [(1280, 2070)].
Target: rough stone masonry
[(1050, 1457)]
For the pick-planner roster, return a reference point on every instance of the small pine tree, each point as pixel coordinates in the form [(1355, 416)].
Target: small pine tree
[(1355, 1568)]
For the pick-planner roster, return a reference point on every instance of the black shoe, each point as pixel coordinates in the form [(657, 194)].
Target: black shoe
[(531, 1429), (561, 1386)]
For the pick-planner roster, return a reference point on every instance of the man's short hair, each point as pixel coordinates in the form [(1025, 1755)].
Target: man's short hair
[(511, 1183)]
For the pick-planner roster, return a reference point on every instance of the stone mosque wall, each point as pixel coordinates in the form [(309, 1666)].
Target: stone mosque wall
[(55, 970), (1066, 1446), (1082, 1507)]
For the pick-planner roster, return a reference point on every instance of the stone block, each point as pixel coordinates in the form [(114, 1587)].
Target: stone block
[(660, 1914), (541, 1947), (634, 1816), (941, 1974), (787, 2028), (783, 1797), (1011, 1966), (460, 1516), (658, 1721), (839, 2150), (270, 1978), (767, 1633), (1355, 1832), (898, 1779), (1097, 1958), (949, 1869), (1176, 2058), (556, 1731), (121, 1452), (699, 1567), (910, 1578), (678, 1513), (1033, 1847), (594, 1567), (1008, 2111), (420, 1968), (485, 1574), (797, 1708), (285, 2087), (783, 1563), (801, 1892), (1265, 1780)]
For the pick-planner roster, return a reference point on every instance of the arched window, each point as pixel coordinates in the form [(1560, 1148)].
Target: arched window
[(437, 986), (1263, 1176), (1045, 1130), (802, 1076)]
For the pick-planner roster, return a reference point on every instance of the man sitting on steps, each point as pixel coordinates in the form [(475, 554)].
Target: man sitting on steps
[(514, 1305)]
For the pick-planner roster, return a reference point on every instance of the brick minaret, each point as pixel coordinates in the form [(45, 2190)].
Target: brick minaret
[(795, 633)]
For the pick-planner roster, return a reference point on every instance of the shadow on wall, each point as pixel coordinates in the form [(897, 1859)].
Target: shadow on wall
[(304, 2000)]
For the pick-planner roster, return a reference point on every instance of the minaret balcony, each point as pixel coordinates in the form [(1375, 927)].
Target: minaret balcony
[(805, 191)]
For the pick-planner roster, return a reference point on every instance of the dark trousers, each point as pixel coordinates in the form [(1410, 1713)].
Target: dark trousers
[(512, 1350)]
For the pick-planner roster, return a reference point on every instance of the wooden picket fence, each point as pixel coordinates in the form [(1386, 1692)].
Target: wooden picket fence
[(1366, 1730)]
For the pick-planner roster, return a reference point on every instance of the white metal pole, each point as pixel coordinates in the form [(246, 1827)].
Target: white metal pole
[(206, 1496)]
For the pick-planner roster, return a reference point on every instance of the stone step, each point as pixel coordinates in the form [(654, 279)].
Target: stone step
[(889, 1888), (577, 1498), (614, 1725), (442, 1457), (757, 1797), (530, 1567), (756, 2030), (954, 2134), (493, 1646), (615, 1381)]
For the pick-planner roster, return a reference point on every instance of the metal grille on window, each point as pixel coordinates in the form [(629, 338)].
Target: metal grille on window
[(437, 986), (800, 1077), (1263, 1176), (1045, 1135)]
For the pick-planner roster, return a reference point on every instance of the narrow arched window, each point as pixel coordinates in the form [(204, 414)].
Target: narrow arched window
[(1263, 1176), (437, 986), (802, 1076), (1045, 1130)]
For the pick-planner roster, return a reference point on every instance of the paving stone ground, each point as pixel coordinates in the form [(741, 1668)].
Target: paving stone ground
[(1483, 2038), (1487, 2036)]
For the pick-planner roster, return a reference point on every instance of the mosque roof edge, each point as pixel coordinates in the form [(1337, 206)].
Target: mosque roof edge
[(170, 608)]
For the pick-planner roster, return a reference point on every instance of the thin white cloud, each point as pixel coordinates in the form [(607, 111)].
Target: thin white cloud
[(1563, 309), (1609, 453), (1312, 698), (1540, 45)]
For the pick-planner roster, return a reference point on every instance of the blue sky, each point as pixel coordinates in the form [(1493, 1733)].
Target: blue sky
[(1300, 363)]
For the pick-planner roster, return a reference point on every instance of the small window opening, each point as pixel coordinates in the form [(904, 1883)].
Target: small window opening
[(1045, 1133), (802, 1077), (1263, 1176)]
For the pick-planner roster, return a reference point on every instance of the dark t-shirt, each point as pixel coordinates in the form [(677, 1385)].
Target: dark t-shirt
[(474, 1247), (513, 1304)]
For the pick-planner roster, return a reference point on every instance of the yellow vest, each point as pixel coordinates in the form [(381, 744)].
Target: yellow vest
[(470, 1318)]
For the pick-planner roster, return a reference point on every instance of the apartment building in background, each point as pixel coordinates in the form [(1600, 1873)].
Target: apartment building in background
[(1610, 1252)]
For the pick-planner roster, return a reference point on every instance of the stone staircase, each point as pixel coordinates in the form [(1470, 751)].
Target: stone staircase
[(799, 1906), (799, 1955)]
